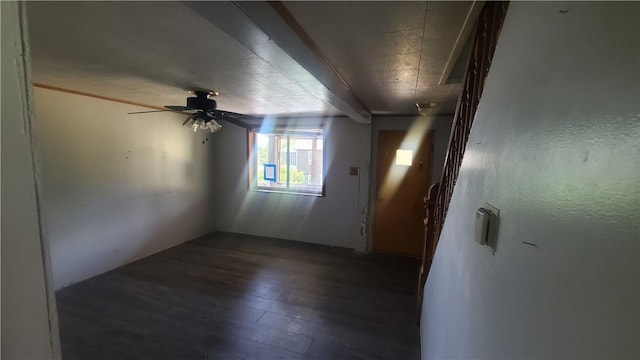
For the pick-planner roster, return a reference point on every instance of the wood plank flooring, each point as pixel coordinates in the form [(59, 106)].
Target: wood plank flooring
[(226, 296)]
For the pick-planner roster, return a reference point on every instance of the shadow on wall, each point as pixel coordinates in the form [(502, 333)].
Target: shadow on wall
[(116, 240), (117, 187)]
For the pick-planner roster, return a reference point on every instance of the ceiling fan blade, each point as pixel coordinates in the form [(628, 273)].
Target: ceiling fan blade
[(225, 115), (145, 112), (178, 108), (234, 118), (189, 120)]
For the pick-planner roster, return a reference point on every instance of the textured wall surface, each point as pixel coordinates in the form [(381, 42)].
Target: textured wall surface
[(118, 187), (555, 146)]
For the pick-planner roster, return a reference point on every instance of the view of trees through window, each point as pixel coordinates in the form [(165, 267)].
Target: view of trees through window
[(298, 159)]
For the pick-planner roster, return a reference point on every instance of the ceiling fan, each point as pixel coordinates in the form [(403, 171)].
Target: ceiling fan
[(202, 111)]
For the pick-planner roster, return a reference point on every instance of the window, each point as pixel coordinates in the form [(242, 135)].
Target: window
[(277, 164)]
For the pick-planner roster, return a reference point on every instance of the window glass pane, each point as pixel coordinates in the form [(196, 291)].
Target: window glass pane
[(281, 143), (262, 151), (284, 151)]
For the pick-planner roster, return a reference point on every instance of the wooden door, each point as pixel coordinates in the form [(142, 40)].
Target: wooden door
[(399, 210)]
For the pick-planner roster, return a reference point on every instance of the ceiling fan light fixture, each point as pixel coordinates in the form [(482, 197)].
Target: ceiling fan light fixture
[(201, 125), (213, 126), (197, 125)]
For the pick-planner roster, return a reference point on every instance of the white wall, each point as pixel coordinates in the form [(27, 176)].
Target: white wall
[(29, 327), (118, 187), (332, 220), (555, 147)]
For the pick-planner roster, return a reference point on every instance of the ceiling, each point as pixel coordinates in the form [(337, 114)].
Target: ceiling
[(291, 58)]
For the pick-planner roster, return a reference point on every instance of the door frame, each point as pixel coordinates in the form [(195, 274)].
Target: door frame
[(407, 124), (35, 322)]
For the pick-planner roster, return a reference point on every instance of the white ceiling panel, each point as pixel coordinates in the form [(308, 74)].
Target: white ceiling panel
[(149, 52), (391, 53)]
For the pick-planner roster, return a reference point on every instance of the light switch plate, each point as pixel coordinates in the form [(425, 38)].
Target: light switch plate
[(494, 210), (483, 222), (492, 238)]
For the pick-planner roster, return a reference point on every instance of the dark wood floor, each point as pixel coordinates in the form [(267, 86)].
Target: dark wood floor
[(234, 297)]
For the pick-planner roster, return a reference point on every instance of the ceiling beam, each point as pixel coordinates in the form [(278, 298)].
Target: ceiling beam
[(266, 30), (461, 40)]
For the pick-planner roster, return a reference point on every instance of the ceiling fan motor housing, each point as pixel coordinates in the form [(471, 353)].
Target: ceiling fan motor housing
[(201, 102)]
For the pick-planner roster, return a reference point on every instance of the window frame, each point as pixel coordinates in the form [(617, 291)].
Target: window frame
[(287, 131)]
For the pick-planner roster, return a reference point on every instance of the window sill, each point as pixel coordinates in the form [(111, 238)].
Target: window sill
[(287, 192)]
